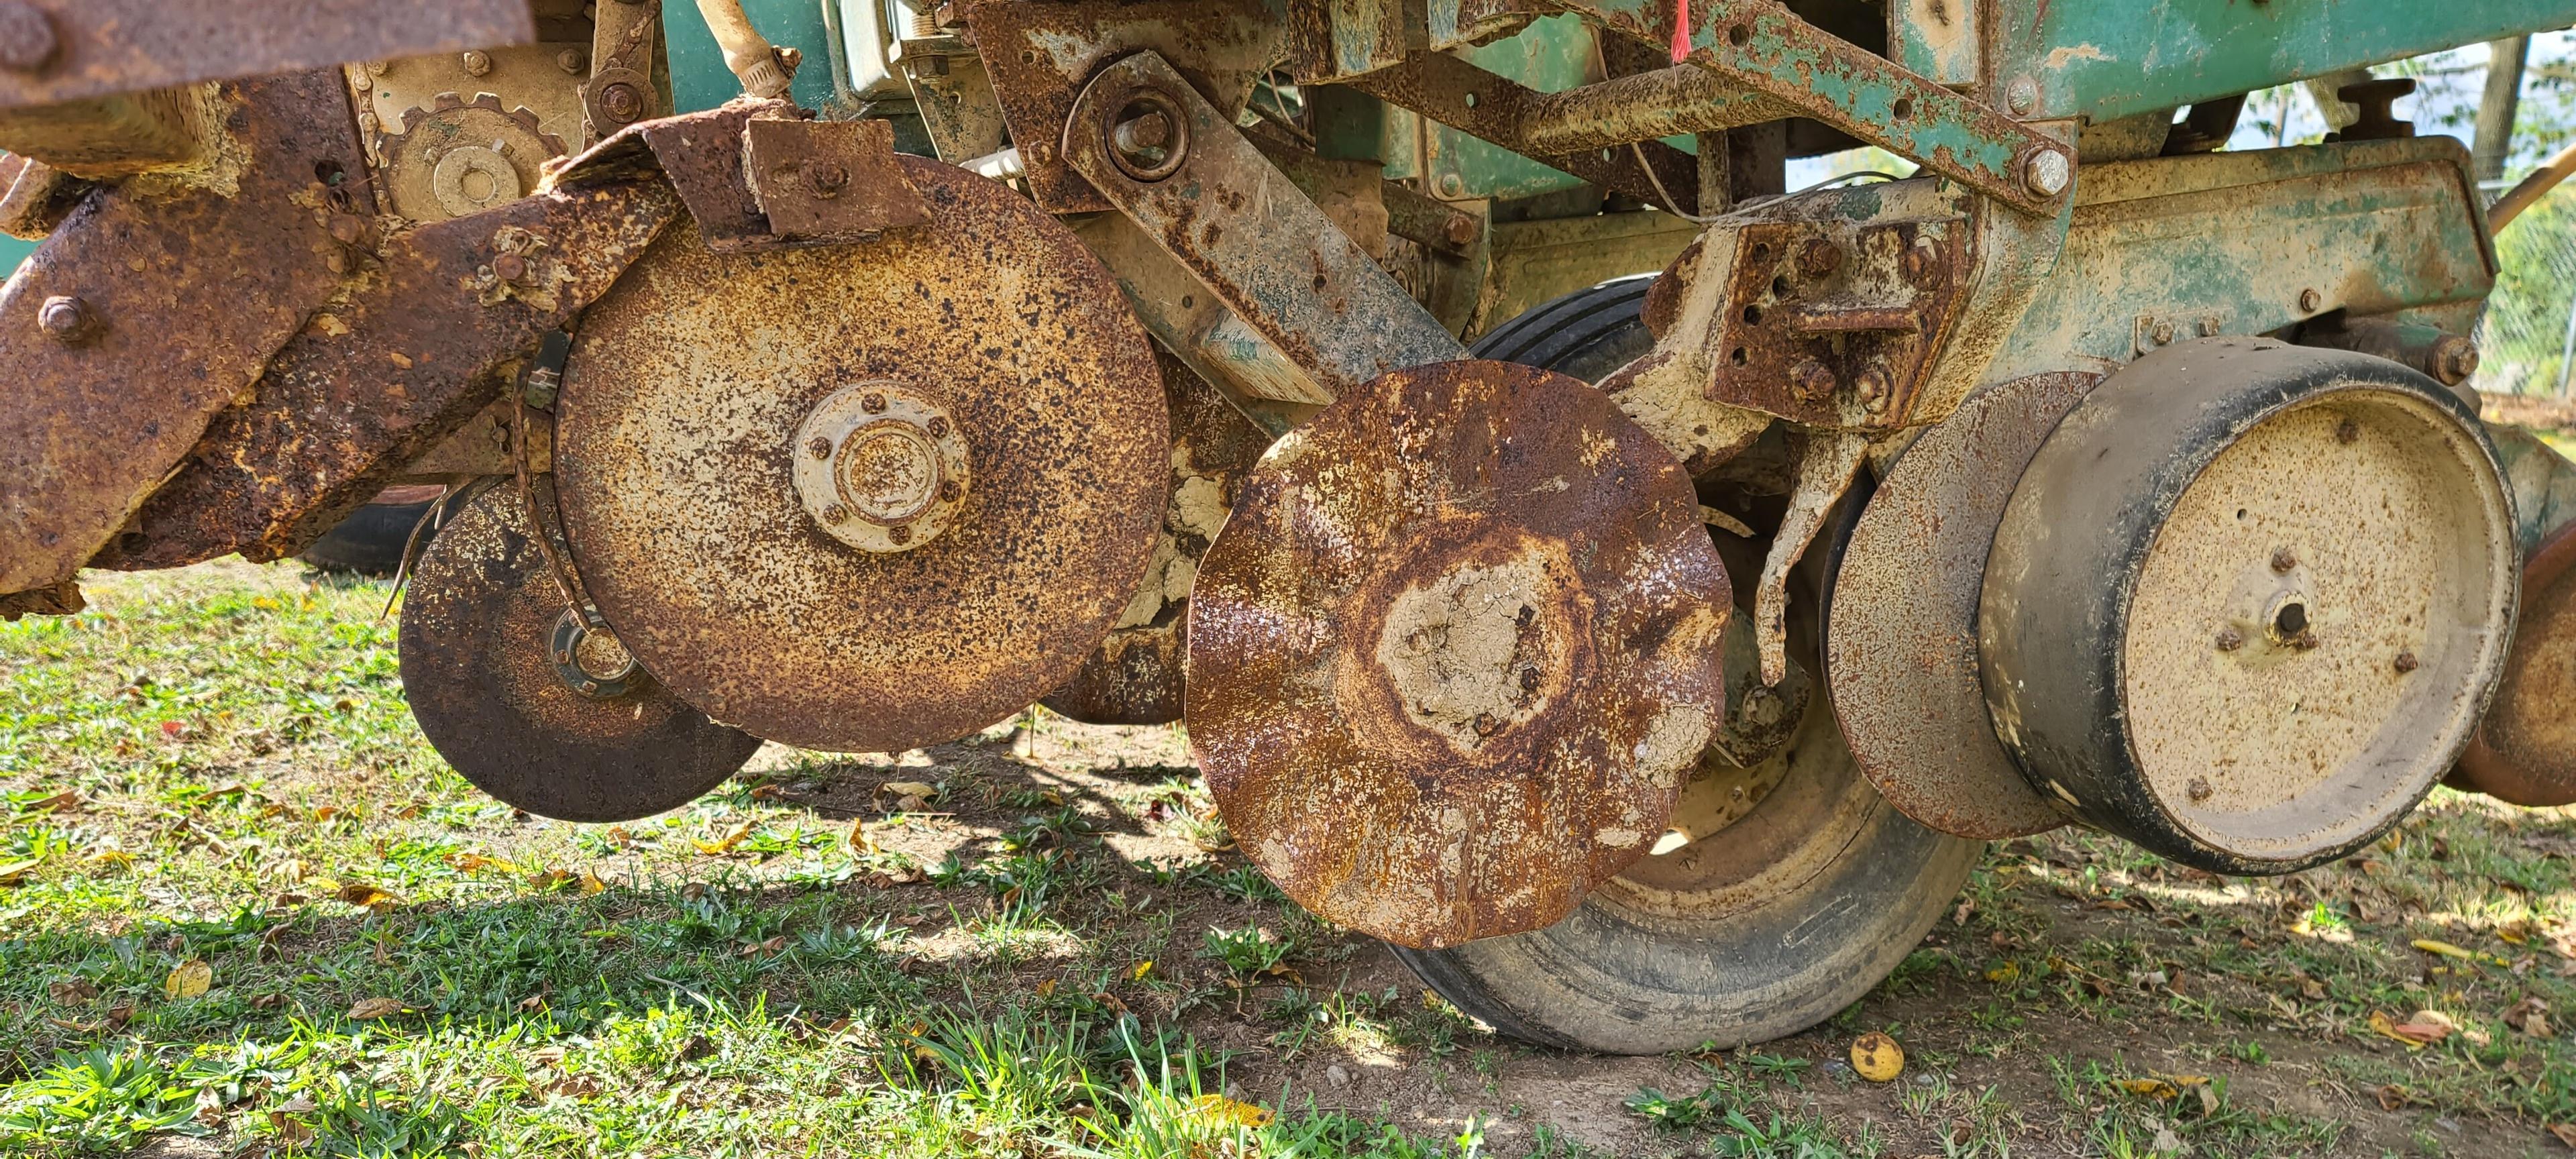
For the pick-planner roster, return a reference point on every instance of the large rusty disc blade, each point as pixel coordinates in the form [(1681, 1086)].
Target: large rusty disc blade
[(981, 374), (2524, 752), (1455, 652), (479, 627), (1901, 642)]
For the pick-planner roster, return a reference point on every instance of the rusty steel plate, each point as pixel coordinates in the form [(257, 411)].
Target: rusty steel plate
[(68, 50), (827, 181), (1901, 641), (478, 627), (386, 372), (2525, 750), (676, 445), (152, 307), (1137, 674), (1455, 652)]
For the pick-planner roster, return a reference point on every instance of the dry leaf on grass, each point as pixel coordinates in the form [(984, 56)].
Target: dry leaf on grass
[(2530, 1016), (2423, 1028), (725, 844), (72, 990), (370, 1009), (15, 872), (361, 894), (2566, 1133), (1221, 1110), (188, 979)]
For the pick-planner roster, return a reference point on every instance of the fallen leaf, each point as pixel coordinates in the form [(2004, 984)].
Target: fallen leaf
[(1229, 1112), (361, 894), (2391, 1097), (107, 859), (1877, 1057), (16, 871), (370, 1009), (72, 990), (2005, 975), (860, 842), (2157, 1089), (552, 879), (2566, 1132), (926, 792), (724, 845), (2424, 1028), (188, 979), (63, 802), (591, 884), (476, 863), (1044, 989), (1110, 1001), (2530, 1016), (2445, 949)]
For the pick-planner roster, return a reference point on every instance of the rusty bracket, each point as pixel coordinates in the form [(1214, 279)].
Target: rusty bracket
[(1040, 54), (828, 181), (1494, 109), (1762, 47), (1288, 279), (383, 376), (620, 90), (117, 369), (53, 51)]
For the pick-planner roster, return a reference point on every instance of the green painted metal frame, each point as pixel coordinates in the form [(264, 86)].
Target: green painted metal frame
[(2104, 61), (699, 78)]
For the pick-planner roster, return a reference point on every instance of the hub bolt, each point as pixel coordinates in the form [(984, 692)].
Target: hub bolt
[(937, 426), (622, 102), (835, 513), (2229, 639), (820, 448), (872, 402), (478, 63), (2406, 662), (2283, 559), (66, 320)]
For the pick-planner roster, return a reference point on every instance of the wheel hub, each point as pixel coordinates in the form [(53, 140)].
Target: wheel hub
[(881, 467)]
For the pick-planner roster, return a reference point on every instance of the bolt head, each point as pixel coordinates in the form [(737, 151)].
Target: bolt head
[(1818, 257), (820, 448), (2454, 359), (872, 402), (2406, 662), (2164, 333), (950, 491), (2047, 172), (2309, 300), (825, 179), (27, 38), (1812, 381), (2229, 639), (1460, 229), (938, 426), (511, 268), (2021, 96), (2347, 432), (477, 63), (622, 102), (573, 60), (899, 535), (835, 513), (2283, 559), (1452, 186), (1151, 131), (65, 319), (1874, 390)]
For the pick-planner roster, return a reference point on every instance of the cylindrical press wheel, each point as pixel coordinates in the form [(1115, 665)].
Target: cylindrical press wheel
[(2249, 601), (496, 677), (867, 497), (1772, 921), (2525, 751)]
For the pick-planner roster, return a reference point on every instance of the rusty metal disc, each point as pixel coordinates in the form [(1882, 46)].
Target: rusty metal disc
[(1455, 651), (699, 381), (1901, 646), (2525, 750), (480, 626)]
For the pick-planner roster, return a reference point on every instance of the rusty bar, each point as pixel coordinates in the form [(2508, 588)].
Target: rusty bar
[(117, 136), (828, 181), (1644, 107), (52, 51), (1493, 109)]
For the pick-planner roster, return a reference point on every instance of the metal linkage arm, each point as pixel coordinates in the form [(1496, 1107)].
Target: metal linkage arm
[(1494, 109), (1764, 48)]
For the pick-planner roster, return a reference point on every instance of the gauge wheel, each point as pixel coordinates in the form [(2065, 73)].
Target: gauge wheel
[(1758, 930)]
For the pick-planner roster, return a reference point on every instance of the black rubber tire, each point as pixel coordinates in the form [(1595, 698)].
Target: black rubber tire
[(1832, 887), (370, 541)]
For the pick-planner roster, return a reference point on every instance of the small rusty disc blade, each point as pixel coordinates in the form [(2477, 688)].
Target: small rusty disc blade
[(1455, 651), (685, 412), (1901, 640), (478, 624), (2524, 752)]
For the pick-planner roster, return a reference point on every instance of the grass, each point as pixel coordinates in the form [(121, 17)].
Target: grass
[(1058, 954)]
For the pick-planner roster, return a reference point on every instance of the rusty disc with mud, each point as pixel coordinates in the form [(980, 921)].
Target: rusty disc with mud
[(2249, 601), (481, 625), (2525, 750), (1901, 643), (868, 497), (1455, 651)]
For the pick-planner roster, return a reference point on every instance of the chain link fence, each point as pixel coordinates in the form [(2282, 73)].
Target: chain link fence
[(2527, 343)]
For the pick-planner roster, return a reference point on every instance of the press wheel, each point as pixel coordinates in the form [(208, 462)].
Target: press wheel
[(495, 675)]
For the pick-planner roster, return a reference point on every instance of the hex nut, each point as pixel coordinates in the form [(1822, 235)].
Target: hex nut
[(66, 320), (1819, 258), (2047, 172), (477, 63), (1874, 390), (2309, 300), (622, 102), (2283, 559), (1812, 381)]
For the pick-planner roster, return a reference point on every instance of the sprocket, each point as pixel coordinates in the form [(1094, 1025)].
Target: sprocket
[(461, 156)]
